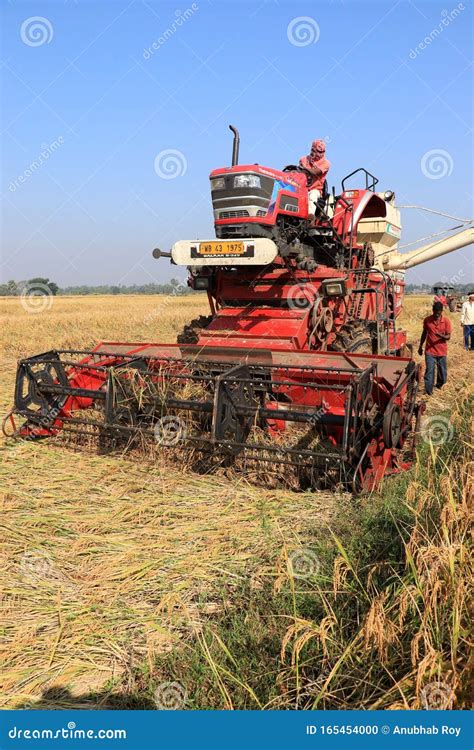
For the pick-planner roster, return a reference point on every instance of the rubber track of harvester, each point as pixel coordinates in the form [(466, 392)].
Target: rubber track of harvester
[(353, 337), (191, 331)]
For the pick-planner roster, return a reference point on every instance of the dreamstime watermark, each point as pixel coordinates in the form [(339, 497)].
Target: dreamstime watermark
[(36, 31), (36, 566), (317, 415), (179, 287), (43, 423), (447, 18), (437, 430), (302, 296), (303, 31), (456, 278), (437, 696), (70, 732), (170, 163), (169, 431), (170, 696), (47, 150), (180, 19), (36, 297), (303, 563), (436, 164)]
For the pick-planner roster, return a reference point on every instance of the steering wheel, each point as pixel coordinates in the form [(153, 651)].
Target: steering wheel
[(297, 168)]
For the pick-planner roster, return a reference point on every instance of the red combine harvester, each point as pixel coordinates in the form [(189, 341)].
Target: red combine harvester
[(300, 362)]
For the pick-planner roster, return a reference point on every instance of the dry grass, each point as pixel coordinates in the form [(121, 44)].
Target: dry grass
[(410, 646), (106, 562), (101, 556)]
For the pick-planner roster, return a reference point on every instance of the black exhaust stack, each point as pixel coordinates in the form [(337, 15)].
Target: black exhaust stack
[(235, 145)]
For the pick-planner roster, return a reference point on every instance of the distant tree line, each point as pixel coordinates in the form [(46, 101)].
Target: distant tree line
[(37, 285), (428, 288), (40, 285)]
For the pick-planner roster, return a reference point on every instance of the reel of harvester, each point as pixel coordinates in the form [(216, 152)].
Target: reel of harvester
[(335, 418)]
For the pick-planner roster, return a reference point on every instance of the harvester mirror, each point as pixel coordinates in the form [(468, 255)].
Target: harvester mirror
[(157, 253), (334, 288)]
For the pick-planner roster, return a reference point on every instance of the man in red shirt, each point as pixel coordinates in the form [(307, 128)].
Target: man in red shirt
[(436, 333), (441, 298), (317, 166)]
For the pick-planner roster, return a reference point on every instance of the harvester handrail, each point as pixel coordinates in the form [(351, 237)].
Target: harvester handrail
[(368, 174)]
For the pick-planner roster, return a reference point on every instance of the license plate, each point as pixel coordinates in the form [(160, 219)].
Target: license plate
[(222, 249)]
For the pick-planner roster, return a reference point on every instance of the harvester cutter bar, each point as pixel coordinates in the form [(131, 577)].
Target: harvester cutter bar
[(337, 399)]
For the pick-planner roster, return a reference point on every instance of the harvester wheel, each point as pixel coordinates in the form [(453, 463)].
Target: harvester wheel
[(452, 305), (363, 344), (191, 331), (353, 337), (392, 426)]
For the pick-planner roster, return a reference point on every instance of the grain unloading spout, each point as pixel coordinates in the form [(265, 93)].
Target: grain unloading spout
[(394, 261)]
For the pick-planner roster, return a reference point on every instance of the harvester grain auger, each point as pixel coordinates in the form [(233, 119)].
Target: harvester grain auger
[(300, 364)]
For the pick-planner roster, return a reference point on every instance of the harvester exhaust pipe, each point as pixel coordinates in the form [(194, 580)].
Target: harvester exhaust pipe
[(235, 145)]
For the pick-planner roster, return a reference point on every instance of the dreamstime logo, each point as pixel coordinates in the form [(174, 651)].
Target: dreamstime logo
[(303, 563), (169, 431), (36, 297), (36, 566), (303, 31), (436, 164), (437, 430), (36, 31), (313, 687), (437, 696), (170, 163), (170, 696), (301, 296)]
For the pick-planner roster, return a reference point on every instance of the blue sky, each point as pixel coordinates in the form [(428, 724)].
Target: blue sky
[(80, 88)]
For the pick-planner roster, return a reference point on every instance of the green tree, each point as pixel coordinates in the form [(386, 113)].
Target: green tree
[(12, 288), (43, 282)]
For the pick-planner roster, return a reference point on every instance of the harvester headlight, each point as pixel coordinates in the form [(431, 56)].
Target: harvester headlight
[(218, 183), (247, 181), (201, 283), (336, 288)]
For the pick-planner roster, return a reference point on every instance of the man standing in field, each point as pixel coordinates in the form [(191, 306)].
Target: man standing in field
[(436, 333), (467, 322), (441, 298)]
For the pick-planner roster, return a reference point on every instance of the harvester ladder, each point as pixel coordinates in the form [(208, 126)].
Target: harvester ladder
[(357, 303)]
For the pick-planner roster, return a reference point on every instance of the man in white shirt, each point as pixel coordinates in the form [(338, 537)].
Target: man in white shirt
[(467, 322)]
